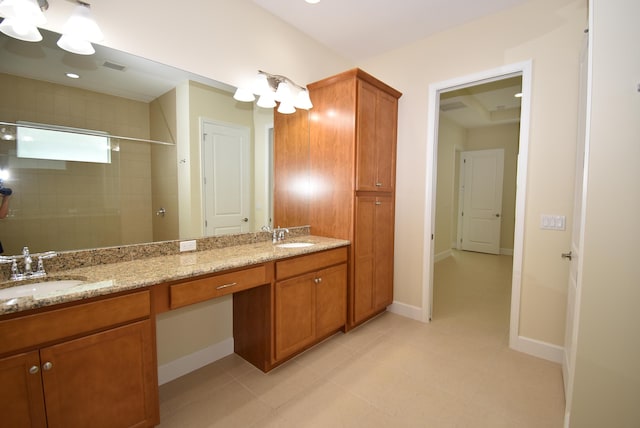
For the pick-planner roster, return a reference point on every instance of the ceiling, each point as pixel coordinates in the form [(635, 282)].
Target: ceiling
[(359, 29)]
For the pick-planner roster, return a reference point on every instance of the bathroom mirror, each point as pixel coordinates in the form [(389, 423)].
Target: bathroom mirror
[(182, 150)]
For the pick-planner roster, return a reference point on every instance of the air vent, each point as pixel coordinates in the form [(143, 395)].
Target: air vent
[(114, 66), (452, 106)]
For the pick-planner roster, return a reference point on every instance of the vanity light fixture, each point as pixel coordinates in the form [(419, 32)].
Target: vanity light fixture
[(21, 19), (272, 88), (80, 31)]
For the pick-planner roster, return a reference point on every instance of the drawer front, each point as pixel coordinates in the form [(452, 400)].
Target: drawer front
[(309, 263), (199, 290), (32, 330)]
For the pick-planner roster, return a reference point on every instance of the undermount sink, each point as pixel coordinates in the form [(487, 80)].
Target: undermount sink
[(37, 289), (295, 244)]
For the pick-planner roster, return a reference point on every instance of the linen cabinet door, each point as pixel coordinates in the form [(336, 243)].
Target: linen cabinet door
[(295, 315), (102, 380), (21, 398), (364, 258), (331, 299), (366, 168), (385, 146), (383, 248)]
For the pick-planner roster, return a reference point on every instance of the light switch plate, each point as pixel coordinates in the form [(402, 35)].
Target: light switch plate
[(188, 245), (552, 222)]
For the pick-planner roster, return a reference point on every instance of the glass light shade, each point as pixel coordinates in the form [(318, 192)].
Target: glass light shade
[(261, 85), (81, 25), (303, 101), (266, 101), (283, 93), (75, 45), (20, 30), (244, 95), (26, 11), (286, 108)]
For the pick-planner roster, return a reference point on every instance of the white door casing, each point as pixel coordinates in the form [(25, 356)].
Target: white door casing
[(525, 70), (480, 214), (226, 178)]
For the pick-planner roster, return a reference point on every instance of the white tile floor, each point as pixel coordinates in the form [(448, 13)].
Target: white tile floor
[(391, 372)]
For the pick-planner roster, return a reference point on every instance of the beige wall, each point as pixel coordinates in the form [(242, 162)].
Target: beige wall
[(79, 205), (549, 33), (607, 371)]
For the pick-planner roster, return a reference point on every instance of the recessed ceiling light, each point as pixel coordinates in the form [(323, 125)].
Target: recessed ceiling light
[(518, 95), (72, 75), (312, 1)]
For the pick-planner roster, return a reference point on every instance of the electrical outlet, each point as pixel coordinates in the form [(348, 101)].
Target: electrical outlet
[(188, 245), (552, 222)]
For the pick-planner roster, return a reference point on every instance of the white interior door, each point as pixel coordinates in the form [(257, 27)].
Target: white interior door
[(481, 175), (226, 179), (573, 290)]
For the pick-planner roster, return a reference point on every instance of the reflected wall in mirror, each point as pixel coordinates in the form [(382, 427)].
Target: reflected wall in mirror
[(149, 191)]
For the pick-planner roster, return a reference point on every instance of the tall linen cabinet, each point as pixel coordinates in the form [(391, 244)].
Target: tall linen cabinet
[(352, 166)]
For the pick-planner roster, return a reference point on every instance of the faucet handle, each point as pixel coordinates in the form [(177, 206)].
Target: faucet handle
[(46, 255), (25, 251)]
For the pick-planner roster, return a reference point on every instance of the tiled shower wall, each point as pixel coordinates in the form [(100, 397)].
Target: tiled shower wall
[(71, 205)]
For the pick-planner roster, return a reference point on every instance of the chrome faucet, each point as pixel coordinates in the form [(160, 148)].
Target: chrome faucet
[(27, 257), (278, 234)]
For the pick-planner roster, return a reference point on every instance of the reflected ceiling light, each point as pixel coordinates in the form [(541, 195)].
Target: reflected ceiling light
[(312, 1), (518, 95), (80, 31), (21, 19), (273, 87), (72, 75)]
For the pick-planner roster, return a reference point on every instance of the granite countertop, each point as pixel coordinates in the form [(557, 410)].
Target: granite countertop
[(111, 278)]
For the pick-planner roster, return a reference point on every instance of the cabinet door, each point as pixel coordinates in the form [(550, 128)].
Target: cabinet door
[(21, 399), (331, 299), (376, 139), (364, 257), (106, 379), (373, 255), (295, 317), (383, 278)]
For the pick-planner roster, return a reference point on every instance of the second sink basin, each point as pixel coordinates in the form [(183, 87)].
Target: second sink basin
[(38, 288), (295, 244)]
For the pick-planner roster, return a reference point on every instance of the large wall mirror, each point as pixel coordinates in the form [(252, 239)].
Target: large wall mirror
[(184, 158)]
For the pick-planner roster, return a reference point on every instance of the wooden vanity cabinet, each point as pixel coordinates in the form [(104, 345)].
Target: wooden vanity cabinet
[(310, 299), (92, 364), (353, 160)]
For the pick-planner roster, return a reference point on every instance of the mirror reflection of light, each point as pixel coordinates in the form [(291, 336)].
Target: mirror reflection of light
[(4, 174)]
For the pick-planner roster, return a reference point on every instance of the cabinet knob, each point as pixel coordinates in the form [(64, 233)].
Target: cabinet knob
[(317, 280), (47, 366), (34, 369), (378, 184)]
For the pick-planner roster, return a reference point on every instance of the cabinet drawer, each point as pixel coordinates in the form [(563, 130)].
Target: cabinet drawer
[(199, 290), (32, 330), (310, 263)]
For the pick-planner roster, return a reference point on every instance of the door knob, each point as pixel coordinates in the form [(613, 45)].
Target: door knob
[(245, 219), (567, 255), (498, 215)]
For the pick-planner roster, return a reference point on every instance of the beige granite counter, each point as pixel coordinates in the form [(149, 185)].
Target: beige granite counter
[(104, 279)]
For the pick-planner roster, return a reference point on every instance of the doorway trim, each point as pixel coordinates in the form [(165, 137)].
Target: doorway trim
[(523, 69)]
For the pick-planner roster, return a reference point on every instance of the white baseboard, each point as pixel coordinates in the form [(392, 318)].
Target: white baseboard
[(405, 310), (506, 251), (441, 256), (188, 363), (538, 348)]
